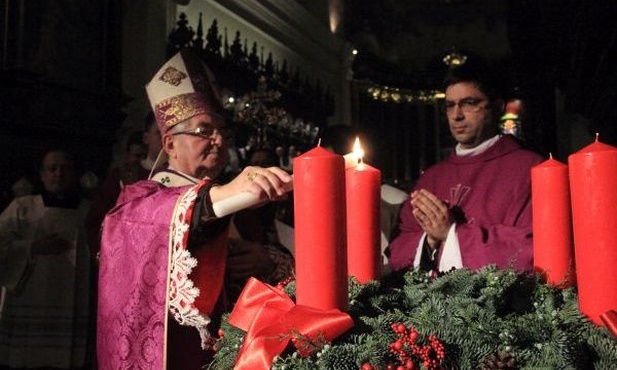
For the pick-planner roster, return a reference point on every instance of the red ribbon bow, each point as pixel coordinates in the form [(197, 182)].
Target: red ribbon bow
[(271, 319)]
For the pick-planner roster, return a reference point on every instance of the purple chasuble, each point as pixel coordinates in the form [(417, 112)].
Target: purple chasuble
[(491, 195), (143, 249)]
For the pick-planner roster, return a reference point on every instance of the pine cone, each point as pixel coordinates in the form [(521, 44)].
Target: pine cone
[(500, 360)]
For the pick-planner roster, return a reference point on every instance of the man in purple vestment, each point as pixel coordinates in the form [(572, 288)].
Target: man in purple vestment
[(474, 208), (163, 250)]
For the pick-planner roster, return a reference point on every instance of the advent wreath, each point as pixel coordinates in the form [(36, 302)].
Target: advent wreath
[(488, 319)]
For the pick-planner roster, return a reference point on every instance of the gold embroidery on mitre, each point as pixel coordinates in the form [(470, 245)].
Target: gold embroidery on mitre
[(179, 108), (173, 76)]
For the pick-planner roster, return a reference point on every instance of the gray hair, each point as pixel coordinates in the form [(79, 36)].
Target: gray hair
[(181, 126)]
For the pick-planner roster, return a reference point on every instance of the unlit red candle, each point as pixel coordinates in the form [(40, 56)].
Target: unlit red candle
[(593, 184), (553, 253), (320, 230)]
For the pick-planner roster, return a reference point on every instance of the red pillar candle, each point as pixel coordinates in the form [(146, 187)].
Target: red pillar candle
[(553, 254), (363, 189), (593, 184), (320, 230)]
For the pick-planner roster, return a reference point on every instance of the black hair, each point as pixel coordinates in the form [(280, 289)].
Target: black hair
[(483, 75)]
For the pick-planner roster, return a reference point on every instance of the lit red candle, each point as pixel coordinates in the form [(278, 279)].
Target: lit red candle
[(320, 230), (553, 253), (363, 185), (593, 184)]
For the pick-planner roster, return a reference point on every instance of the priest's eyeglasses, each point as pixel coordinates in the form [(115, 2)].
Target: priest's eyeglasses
[(207, 132), (467, 105)]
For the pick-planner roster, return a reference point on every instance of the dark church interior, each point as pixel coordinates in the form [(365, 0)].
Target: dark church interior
[(62, 83), (63, 77)]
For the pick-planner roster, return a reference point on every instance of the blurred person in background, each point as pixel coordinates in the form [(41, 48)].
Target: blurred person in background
[(44, 273)]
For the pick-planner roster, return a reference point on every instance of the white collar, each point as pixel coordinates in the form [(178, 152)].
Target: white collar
[(478, 149), (172, 178)]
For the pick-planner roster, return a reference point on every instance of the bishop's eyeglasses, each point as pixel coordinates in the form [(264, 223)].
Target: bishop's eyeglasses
[(205, 132)]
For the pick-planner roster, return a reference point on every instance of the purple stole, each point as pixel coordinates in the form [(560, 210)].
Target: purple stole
[(147, 272)]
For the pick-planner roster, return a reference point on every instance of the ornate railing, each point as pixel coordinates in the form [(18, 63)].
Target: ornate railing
[(261, 93)]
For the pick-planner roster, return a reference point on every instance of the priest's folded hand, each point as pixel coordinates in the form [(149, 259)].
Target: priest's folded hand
[(432, 214)]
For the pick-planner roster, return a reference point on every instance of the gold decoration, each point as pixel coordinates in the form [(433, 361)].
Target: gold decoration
[(173, 76), (396, 95), (454, 59), (179, 108)]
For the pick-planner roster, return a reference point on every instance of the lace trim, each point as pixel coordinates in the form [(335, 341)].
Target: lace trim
[(182, 292)]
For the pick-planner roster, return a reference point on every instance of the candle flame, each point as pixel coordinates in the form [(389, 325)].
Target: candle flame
[(597, 136), (357, 150)]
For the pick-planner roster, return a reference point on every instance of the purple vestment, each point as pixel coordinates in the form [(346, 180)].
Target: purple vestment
[(491, 193), (143, 256)]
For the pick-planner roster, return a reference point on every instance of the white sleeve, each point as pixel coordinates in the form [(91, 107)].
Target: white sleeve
[(418, 257), (451, 254), (14, 251)]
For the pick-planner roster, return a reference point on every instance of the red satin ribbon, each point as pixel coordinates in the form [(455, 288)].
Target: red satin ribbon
[(610, 320), (271, 320)]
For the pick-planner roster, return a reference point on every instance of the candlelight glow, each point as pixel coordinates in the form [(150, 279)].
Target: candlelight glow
[(357, 150), (335, 14)]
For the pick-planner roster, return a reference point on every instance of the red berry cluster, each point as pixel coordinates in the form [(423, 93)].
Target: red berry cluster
[(283, 283), (408, 351)]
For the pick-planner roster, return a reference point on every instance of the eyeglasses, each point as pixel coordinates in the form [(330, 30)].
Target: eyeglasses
[(208, 132), (467, 105)]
